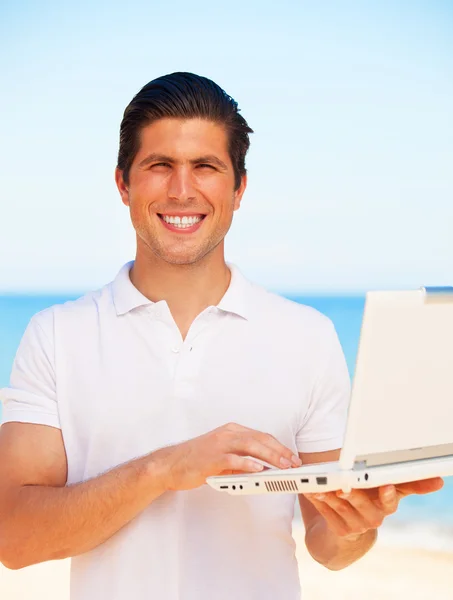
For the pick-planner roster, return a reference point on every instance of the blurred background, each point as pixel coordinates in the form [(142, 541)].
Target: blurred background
[(350, 167)]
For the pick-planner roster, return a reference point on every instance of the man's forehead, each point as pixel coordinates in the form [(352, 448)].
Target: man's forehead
[(194, 128), (188, 138)]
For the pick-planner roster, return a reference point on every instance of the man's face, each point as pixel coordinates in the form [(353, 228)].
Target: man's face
[(181, 189)]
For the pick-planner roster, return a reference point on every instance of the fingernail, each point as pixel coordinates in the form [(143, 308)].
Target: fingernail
[(343, 495), (320, 497), (257, 467), (296, 460), (285, 463)]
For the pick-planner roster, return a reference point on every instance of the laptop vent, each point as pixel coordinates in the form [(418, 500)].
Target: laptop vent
[(281, 486)]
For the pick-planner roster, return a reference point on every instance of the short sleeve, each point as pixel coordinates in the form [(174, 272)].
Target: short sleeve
[(324, 424), (31, 396)]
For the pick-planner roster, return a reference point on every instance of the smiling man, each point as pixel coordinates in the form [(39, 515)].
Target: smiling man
[(123, 402)]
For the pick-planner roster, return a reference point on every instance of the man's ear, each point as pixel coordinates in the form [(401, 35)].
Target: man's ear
[(240, 192), (122, 187)]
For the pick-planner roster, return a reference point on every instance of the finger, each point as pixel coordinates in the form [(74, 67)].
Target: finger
[(365, 505), (334, 521), (425, 486), (268, 440), (389, 498), (265, 448), (234, 463), (234, 427), (232, 472), (353, 519)]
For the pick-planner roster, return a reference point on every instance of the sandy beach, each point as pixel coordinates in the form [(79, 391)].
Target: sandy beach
[(386, 572)]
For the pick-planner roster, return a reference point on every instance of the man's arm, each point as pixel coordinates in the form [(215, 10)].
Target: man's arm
[(330, 549), (43, 519)]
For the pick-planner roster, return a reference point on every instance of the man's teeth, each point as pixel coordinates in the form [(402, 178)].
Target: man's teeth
[(181, 222)]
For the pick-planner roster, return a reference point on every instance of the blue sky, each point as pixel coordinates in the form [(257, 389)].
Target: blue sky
[(351, 163)]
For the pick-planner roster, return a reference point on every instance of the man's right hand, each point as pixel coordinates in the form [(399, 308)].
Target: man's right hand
[(222, 451)]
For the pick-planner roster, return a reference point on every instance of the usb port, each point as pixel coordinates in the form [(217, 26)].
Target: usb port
[(321, 480), (304, 480), (223, 487)]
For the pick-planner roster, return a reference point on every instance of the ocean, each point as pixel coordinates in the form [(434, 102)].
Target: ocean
[(426, 521)]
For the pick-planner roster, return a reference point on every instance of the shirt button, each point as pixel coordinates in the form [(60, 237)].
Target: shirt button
[(175, 350)]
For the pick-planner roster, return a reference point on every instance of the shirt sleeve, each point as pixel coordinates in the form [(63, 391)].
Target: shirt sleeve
[(31, 396), (324, 423)]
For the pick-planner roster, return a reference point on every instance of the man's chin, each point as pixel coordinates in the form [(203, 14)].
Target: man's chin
[(178, 255), (182, 260)]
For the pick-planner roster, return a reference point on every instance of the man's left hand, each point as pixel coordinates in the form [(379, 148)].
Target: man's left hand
[(353, 514)]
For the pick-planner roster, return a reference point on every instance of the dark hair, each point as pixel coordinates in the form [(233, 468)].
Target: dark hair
[(183, 96)]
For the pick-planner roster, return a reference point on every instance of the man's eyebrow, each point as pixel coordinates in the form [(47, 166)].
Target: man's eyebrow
[(208, 158), (153, 157)]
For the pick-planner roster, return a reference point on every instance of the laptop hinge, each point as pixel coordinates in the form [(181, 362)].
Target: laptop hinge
[(438, 294), (399, 456)]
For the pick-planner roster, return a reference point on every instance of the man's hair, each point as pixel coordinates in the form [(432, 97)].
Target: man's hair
[(183, 96)]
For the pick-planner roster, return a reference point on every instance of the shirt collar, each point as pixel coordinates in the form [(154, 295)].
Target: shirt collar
[(236, 298), (126, 296)]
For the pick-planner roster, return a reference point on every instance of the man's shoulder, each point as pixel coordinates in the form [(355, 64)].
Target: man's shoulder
[(287, 312), (74, 311)]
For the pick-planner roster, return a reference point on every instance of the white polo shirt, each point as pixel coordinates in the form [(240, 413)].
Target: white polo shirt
[(111, 370)]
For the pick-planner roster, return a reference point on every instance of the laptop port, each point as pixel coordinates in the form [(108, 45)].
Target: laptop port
[(223, 487), (305, 481), (321, 480)]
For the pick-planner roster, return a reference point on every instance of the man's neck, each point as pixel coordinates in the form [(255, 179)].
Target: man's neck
[(187, 289)]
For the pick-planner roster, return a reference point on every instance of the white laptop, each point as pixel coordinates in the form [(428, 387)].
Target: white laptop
[(400, 418)]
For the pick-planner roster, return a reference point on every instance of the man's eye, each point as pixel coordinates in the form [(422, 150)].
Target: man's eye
[(205, 165), (160, 165)]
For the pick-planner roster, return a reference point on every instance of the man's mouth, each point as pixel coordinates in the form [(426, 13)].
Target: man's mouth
[(182, 222)]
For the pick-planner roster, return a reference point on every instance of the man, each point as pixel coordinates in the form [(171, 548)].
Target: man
[(122, 402)]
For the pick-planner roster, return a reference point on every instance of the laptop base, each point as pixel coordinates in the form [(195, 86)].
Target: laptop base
[(326, 477)]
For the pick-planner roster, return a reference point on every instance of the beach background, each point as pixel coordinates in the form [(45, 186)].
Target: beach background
[(413, 557), (350, 187)]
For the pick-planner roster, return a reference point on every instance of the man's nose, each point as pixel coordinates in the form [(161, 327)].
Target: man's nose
[(181, 185)]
